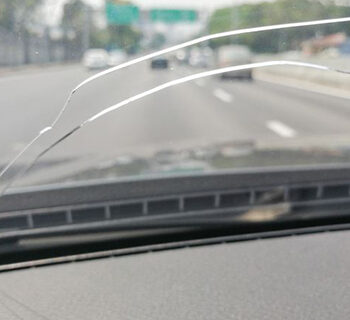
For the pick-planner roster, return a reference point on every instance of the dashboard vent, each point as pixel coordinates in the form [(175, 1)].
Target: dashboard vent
[(304, 198)]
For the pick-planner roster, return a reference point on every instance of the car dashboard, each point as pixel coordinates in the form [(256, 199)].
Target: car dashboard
[(283, 253), (293, 277)]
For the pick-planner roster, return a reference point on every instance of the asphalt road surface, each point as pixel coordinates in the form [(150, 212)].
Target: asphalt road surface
[(200, 112)]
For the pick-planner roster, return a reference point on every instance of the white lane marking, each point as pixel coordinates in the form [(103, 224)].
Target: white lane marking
[(222, 95), (281, 129), (200, 83)]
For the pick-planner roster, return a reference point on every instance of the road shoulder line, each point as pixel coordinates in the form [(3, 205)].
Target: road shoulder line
[(222, 95), (303, 85), (281, 129)]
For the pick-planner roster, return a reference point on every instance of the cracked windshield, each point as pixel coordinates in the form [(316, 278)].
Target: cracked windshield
[(111, 89)]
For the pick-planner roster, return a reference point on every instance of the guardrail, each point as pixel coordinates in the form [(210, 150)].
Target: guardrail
[(321, 77)]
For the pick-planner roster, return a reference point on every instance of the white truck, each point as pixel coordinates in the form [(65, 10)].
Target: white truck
[(234, 55)]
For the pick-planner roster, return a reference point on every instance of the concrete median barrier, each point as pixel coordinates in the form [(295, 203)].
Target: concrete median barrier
[(330, 79)]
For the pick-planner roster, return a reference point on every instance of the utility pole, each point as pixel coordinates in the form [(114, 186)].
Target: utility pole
[(87, 28), (234, 20)]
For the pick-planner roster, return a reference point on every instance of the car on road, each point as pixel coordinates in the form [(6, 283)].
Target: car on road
[(198, 61), (95, 59), (234, 55), (201, 57), (160, 63), (116, 57), (182, 57)]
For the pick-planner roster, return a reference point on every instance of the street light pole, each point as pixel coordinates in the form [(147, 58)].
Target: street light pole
[(87, 28), (234, 20)]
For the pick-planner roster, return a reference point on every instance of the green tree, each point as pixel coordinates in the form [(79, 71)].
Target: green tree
[(158, 40), (125, 37), (76, 25), (7, 15), (99, 38), (16, 17), (280, 11)]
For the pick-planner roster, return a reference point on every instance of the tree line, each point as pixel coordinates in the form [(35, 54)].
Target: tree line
[(78, 16), (77, 24), (277, 12)]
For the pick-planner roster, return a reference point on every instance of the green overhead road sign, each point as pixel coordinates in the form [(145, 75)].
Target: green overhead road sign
[(173, 16), (121, 14)]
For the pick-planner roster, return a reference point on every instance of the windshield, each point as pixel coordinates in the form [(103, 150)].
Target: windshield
[(104, 89)]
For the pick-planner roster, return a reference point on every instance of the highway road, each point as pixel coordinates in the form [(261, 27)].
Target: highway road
[(197, 113)]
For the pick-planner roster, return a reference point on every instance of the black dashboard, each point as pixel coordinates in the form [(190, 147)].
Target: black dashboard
[(294, 277), (296, 269)]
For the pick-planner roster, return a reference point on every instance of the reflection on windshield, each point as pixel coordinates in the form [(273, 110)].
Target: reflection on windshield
[(231, 59)]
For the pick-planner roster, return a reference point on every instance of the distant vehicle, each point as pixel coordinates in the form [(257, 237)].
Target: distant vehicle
[(196, 58), (208, 54), (198, 61), (201, 57), (116, 57), (95, 59), (234, 55), (160, 63), (182, 56)]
